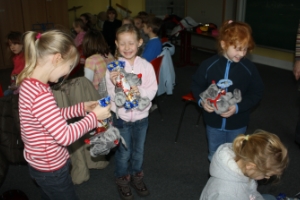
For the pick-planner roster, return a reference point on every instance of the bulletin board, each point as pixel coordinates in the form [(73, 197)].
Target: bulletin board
[(274, 22)]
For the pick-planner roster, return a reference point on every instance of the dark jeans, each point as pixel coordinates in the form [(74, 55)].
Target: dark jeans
[(130, 160), (56, 185)]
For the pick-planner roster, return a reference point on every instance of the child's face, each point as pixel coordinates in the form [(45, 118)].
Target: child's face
[(128, 44), (252, 172), (83, 19), (111, 16), (15, 47), (60, 70), (77, 28), (146, 29), (235, 54), (138, 23)]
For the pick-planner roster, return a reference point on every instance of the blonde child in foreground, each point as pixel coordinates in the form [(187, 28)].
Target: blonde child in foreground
[(235, 167), (132, 124), (44, 129)]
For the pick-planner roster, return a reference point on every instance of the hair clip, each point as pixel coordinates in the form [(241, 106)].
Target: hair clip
[(230, 21), (246, 137), (38, 36)]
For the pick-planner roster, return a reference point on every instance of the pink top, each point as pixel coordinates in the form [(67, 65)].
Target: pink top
[(44, 129), (147, 89), (79, 38), (97, 64)]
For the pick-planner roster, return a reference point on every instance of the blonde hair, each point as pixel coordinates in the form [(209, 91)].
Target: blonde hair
[(127, 28), (264, 149), (235, 33), (37, 46)]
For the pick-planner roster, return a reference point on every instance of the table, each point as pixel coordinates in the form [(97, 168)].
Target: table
[(186, 46)]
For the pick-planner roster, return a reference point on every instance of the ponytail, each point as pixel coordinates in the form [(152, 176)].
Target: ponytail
[(30, 55), (37, 46), (262, 148)]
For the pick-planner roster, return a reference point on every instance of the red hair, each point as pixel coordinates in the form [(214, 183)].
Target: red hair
[(236, 34)]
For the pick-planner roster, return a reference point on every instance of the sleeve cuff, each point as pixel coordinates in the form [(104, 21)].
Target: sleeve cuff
[(199, 103), (236, 108)]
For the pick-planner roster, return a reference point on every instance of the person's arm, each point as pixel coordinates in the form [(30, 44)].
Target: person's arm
[(45, 110), (89, 69), (199, 83), (254, 92), (296, 69)]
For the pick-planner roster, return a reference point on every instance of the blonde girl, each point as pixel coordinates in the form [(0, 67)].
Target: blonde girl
[(132, 124), (237, 166), (44, 129)]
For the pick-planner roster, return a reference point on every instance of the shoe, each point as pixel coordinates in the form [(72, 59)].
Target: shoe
[(138, 184), (124, 188), (153, 107)]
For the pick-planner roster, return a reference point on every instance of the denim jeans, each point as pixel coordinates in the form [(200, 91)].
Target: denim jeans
[(130, 160), (56, 185), (217, 137)]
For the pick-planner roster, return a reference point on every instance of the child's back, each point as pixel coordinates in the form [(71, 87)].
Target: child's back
[(236, 166)]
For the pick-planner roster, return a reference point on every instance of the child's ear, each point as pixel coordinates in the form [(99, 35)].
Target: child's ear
[(116, 42), (56, 59), (223, 44), (140, 42), (250, 165)]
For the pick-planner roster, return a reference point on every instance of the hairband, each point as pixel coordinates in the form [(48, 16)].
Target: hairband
[(247, 137), (38, 36), (230, 21)]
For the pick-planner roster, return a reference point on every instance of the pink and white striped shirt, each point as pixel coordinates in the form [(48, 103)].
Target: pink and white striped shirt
[(44, 129)]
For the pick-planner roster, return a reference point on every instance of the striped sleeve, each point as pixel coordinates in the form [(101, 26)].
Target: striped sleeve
[(48, 114), (297, 50), (73, 111)]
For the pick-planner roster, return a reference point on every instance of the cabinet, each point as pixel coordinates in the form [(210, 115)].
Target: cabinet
[(20, 15)]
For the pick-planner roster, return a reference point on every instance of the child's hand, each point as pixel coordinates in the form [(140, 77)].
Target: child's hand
[(135, 89), (102, 112), (207, 107), (90, 105), (231, 111), (113, 76)]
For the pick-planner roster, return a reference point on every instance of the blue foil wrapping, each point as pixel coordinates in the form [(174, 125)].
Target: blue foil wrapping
[(104, 101), (115, 65)]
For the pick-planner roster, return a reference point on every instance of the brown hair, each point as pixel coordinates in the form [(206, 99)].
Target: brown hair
[(127, 28), (128, 18), (37, 46), (264, 149), (15, 37), (93, 43), (153, 22), (235, 33)]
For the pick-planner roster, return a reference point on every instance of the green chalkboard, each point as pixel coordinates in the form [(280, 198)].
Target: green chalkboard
[(274, 22)]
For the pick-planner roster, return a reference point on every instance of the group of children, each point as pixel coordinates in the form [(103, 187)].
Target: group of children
[(237, 160)]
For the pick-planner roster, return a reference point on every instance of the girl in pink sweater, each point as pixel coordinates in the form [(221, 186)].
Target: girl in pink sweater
[(133, 123)]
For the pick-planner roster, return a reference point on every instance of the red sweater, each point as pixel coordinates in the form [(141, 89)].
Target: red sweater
[(44, 129), (19, 63)]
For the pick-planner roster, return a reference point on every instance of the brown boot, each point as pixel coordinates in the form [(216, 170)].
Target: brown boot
[(124, 188), (138, 184)]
